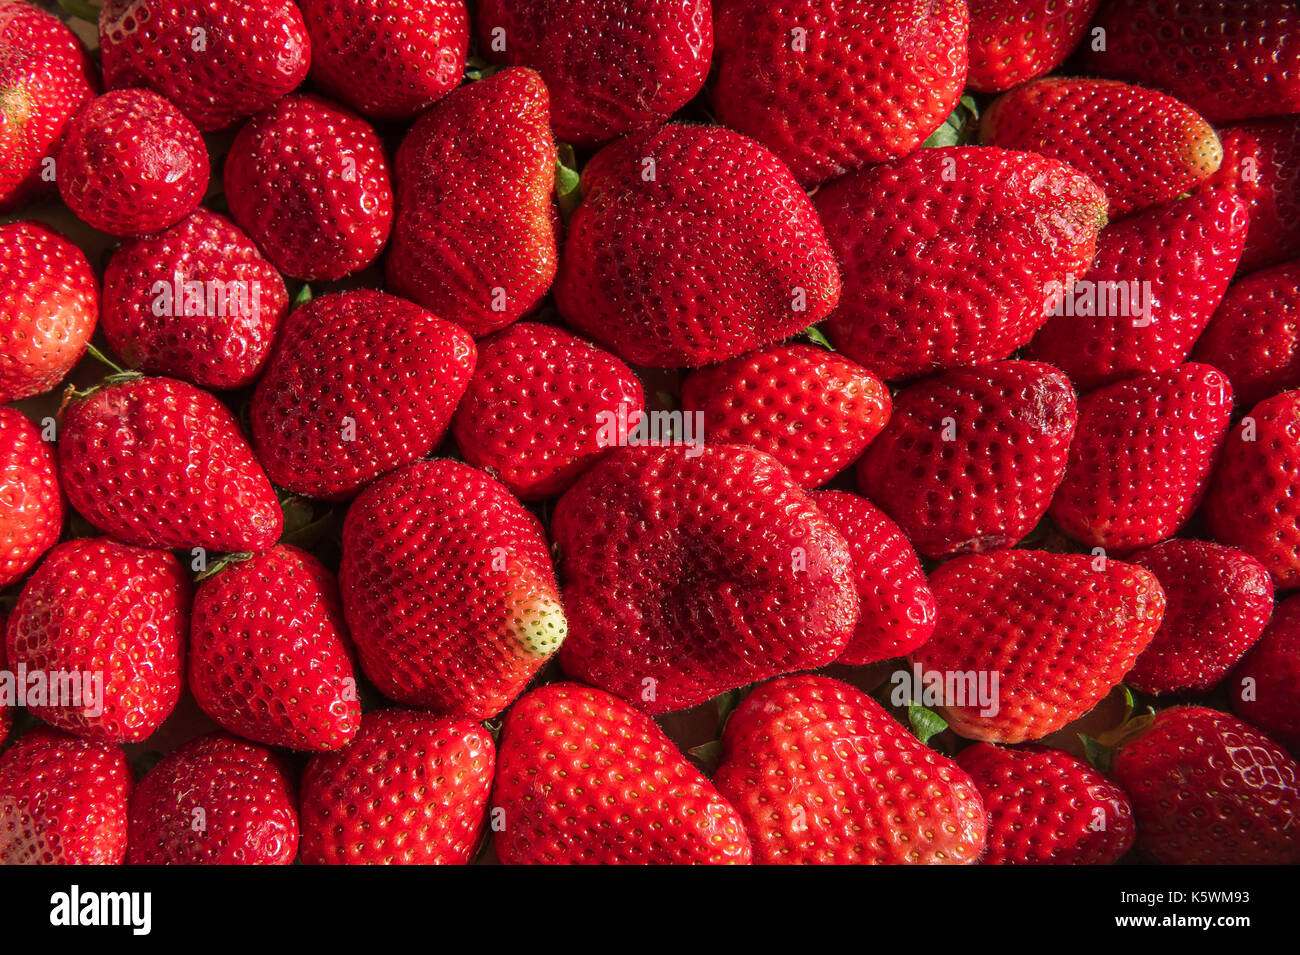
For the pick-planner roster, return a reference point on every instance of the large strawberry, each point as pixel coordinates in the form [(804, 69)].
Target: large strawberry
[(31, 507), (1266, 686), (584, 778), (1012, 41), (693, 244), (1261, 165)]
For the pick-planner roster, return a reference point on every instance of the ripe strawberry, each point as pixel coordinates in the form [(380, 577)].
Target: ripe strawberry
[(822, 775), (269, 653), (217, 62), (385, 58), (1142, 456), (359, 384), (63, 801), (833, 85), (1261, 165), (756, 267), (970, 459), (1012, 41), (1047, 808), (217, 800), (49, 300), (31, 507), (611, 67), (1217, 603), (692, 571), (583, 778), (1209, 790), (811, 409), (448, 589), (160, 463), (114, 615), (309, 183), (541, 406), (1266, 686), (1004, 223), (1058, 631), (411, 789), (131, 164), (474, 236)]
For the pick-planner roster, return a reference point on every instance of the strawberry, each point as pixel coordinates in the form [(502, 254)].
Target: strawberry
[(611, 67), (269, 653), (1058, 631), (692, 571), (309, 182), (811, 409), (474, 236), (115, 617), (756, 267), (1007, 223), (6, 711), (833, 85), (1217, 603), (583, 778), (822, 775), (63, 801), (196, 302), (385, 58), (1261, 166), (1047, 808), (1266, 686), (160, 463), (1141, 147), (359, 384), (448, 589), (1012, 41), (970, 459), (31, 507), (217, 62), (1142, 456), (131, 163), (541, 406), (49, 301), (217, 800), (410, 789), (1209, 790)]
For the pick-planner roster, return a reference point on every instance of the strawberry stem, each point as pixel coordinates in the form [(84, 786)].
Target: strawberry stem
[(103, 359)]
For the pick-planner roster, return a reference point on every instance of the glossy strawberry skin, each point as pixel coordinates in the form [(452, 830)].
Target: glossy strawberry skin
[(1266, 686), (1012, 41), (828, 409), (565, 767), (1261, 166), (757, 268), (410, 789), (31, 506), (971, 458)]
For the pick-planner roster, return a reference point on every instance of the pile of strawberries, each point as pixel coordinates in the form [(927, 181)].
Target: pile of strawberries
[(499, 403)]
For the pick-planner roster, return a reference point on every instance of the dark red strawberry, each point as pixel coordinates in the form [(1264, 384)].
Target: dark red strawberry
[(1261, 166), (1266, 687), (1012, 41), (31, 507)]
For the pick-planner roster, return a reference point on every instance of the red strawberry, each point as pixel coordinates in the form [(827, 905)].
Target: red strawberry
[(359, 384), (115, 616), (583, 778), (411, 789), (946, 254), (1266, 687), (386, 58), (1261, 165), (474, 237), (161, 463), (63, 801), (218, 62), (1012, 41), (1142, 456), (692, 571), (1047, 808), (31, 507), (970, 459), (693, 244), (540, 406), (811, 409), (1217, 603), (1057, 631), (448, 589), (309, 182), (49, 301), (822, 775), (269, 653), (1209, 790), (217, 800), (833, 85), (611, 67)]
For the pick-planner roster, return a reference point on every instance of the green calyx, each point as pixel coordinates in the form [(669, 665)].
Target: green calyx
[(1100, 750), (568, 182)]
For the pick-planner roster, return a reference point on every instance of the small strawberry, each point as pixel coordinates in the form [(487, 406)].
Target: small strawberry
[(1266, 686), (1012, 41), (31, 507), (1261, 166), (583, 778)]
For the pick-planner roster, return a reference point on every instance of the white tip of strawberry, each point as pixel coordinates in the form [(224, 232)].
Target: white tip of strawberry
[(538, 624)]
